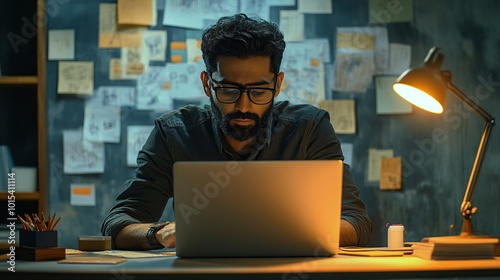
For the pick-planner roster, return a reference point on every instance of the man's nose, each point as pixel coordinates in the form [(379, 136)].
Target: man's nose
[(244, 103)]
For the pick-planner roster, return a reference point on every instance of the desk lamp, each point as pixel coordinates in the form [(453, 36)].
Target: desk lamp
[(425, 87)]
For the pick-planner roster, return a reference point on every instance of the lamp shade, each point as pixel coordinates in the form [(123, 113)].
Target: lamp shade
[(422, 86)]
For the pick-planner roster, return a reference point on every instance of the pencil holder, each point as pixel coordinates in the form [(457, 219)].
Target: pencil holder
[(38, 239)]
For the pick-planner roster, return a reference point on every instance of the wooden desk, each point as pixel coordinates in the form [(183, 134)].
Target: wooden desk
[(338, 267)]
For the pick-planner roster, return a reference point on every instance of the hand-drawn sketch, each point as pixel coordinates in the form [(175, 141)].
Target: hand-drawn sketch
[(80, 159), (135, 62), (152, 90), (136, 137), (184, 80), (196, 14), (304, 81), (114, 96), (353, 71), (102, 124), (76, 77), (342, 114), (155, 43)]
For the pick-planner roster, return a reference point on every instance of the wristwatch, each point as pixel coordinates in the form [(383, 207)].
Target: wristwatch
[(152, 232)]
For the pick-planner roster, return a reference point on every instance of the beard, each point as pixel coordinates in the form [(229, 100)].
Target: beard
[(238, 132)]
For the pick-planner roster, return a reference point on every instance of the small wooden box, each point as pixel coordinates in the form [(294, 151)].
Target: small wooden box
[(38, 239), (94, 243), (40, 254)]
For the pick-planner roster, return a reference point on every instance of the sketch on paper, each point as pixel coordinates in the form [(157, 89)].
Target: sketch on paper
[(136, 137), (353, 71), (184, 80), (79, 158), (197, 14), (102, 124), (152, 90), (114, 96), (304, 81), (155, 43), (76, 77)]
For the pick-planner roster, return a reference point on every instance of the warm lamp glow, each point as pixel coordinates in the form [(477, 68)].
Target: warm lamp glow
[(418, 98)]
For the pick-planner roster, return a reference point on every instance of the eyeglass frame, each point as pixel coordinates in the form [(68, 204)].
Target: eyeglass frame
[(242, 90)]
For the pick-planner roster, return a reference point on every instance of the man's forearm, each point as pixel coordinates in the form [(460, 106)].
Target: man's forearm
[(348, 235), (133, 237)]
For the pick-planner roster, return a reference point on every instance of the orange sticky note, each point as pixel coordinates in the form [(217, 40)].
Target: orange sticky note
[(82, 191), (178, 45), (314, 62), (176, 58)]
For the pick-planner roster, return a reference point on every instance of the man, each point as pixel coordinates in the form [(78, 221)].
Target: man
[(243, 122)]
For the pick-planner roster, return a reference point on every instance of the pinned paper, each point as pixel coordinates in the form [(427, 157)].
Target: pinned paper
[(154, 42), (342, 114), (61, 44), (109, 36), (315, 7), (384, 11), (136, 137), (193, 48), (136, 12), (80, 158), (390, 173), (115, 69), (292, 25), (82, 195), (76, 77), (374, 162), (388, 101), (178, 52), (102, 124)]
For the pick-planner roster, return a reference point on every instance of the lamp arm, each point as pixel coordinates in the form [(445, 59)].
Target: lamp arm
[(466, 207)]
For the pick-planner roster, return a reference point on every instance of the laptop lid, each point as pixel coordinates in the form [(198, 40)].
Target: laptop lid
[(257, 208)]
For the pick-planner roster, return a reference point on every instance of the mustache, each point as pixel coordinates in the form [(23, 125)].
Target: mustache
[(241, 115)]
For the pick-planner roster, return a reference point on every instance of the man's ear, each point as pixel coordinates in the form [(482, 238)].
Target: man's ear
[(280, 78), (205, 83)]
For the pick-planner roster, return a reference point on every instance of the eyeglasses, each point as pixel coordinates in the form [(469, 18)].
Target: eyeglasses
[(230, 95)]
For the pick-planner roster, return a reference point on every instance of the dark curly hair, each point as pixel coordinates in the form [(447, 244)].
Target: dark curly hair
[(241, 36)]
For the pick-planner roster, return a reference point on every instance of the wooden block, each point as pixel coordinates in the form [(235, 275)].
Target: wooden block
[(40, 254)]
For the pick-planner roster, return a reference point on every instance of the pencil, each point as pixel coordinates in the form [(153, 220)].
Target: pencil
[(23, 223), (55, 224)]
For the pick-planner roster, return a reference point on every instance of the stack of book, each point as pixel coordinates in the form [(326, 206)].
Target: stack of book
[(455, 248)]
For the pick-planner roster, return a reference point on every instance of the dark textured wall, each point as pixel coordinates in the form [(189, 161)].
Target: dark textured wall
[(435, 173)]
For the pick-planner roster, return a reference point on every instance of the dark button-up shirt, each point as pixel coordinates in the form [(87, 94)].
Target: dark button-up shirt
[(294, 132)]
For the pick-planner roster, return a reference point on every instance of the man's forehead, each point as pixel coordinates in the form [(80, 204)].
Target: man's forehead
[(234, 68)]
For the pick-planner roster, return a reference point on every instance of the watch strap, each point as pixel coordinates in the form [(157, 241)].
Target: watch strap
[(151, 234)]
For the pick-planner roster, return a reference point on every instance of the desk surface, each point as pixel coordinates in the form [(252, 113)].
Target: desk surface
[(352, 267)]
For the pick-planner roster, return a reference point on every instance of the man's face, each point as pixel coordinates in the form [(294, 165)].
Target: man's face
[(243, 119)]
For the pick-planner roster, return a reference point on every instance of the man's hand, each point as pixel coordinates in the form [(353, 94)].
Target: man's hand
[(166, 235)]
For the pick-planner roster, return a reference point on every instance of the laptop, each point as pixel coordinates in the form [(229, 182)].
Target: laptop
[(257, 208)]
